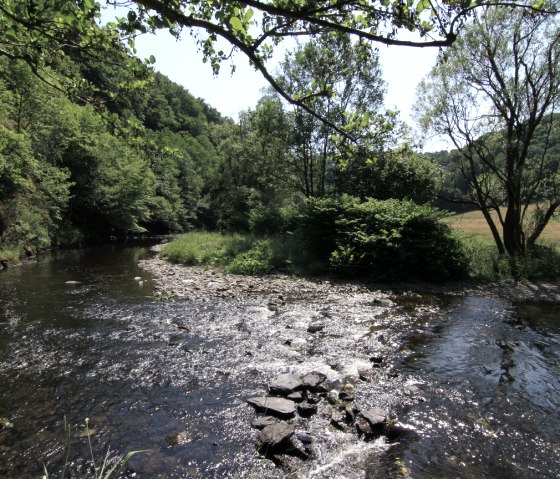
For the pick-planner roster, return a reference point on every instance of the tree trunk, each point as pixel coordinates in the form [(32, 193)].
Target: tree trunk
[(513, 231)]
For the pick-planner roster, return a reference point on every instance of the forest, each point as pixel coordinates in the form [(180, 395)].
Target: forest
[(98, 146)]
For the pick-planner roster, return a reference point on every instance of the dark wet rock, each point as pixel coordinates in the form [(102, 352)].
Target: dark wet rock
[(295, 396), (375, 416), (264, 421), (413, 392), (313, 380), (338, 420), (313, 398), (274, 406), (398, 432), (286, 463), (368, 375), (275, 438), (298, 449), (315, 328), (506, 345), (377, 360), (307, 410), (372, 421), (304, 437), (285, 384), (363, 426), (344, 396)]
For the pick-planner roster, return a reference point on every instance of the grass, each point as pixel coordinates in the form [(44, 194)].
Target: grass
[(11, 254), (209, 249), (242, 254), (108, 467), (474, 224), (486, 263)]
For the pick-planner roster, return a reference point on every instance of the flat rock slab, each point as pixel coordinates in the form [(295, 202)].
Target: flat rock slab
[(313, 380), (285, 384), (276, 436), (274, 406)]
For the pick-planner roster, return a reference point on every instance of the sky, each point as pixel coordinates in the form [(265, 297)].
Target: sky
[(403, 68)]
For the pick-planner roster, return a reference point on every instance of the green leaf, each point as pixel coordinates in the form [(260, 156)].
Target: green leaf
[(236, 24), (248, 15)]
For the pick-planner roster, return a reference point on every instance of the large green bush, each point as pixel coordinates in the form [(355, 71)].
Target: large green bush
[(382, 239)]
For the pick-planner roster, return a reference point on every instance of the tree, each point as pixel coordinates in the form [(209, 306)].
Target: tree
[(42, 31), (346, 77), (492, 93)]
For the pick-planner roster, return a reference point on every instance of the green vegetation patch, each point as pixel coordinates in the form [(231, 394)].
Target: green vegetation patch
[(210, 249), (389, 239)]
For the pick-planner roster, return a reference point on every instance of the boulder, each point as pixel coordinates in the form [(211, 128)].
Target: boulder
[(274, 406), (276, 437), (372, 421), (264, 421), (315, 328)]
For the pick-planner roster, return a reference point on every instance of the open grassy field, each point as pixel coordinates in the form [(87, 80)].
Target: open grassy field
[(473, 223)]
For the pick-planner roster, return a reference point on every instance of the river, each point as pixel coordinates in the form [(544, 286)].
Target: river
[(473, 381)]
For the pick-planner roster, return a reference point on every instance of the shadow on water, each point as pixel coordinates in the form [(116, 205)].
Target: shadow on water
[(81, 336)]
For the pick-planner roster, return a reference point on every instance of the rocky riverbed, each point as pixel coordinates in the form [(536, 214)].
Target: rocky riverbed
[(351, 335), (192, 282)]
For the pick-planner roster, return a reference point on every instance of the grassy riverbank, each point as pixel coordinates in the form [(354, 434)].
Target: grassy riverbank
[(247, 254)]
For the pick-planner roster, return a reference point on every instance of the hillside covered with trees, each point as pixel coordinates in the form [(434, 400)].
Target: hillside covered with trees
[(94, 144)]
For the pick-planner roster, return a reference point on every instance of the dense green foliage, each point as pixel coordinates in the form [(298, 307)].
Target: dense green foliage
[(388, 239), (94, 145), (69, 172)]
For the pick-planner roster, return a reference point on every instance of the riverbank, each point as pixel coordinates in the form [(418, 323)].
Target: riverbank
[(193, 282)]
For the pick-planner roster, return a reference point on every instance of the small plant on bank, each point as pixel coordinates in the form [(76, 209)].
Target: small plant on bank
[(110, 467)]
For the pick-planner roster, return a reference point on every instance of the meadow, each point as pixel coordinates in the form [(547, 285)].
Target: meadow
[(473, 223)]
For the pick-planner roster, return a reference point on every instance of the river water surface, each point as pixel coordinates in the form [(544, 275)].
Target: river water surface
[(474, 381)]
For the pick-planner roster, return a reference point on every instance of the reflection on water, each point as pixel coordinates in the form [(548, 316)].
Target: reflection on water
[(82, 337), (493, 376)]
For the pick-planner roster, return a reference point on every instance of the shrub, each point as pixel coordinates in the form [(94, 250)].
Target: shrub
[(387, 239), (258, 260)]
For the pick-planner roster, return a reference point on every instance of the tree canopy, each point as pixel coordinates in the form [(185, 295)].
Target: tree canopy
[(44, 32)]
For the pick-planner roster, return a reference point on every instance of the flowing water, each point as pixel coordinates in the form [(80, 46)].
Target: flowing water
[(474, 381)]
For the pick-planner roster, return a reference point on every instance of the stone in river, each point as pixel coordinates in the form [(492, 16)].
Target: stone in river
[(306, 409), (275, 437), (313, 380), (285, 384), (264, 421), (375, 421), (315, 328), (274, 406), (296, 396)]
